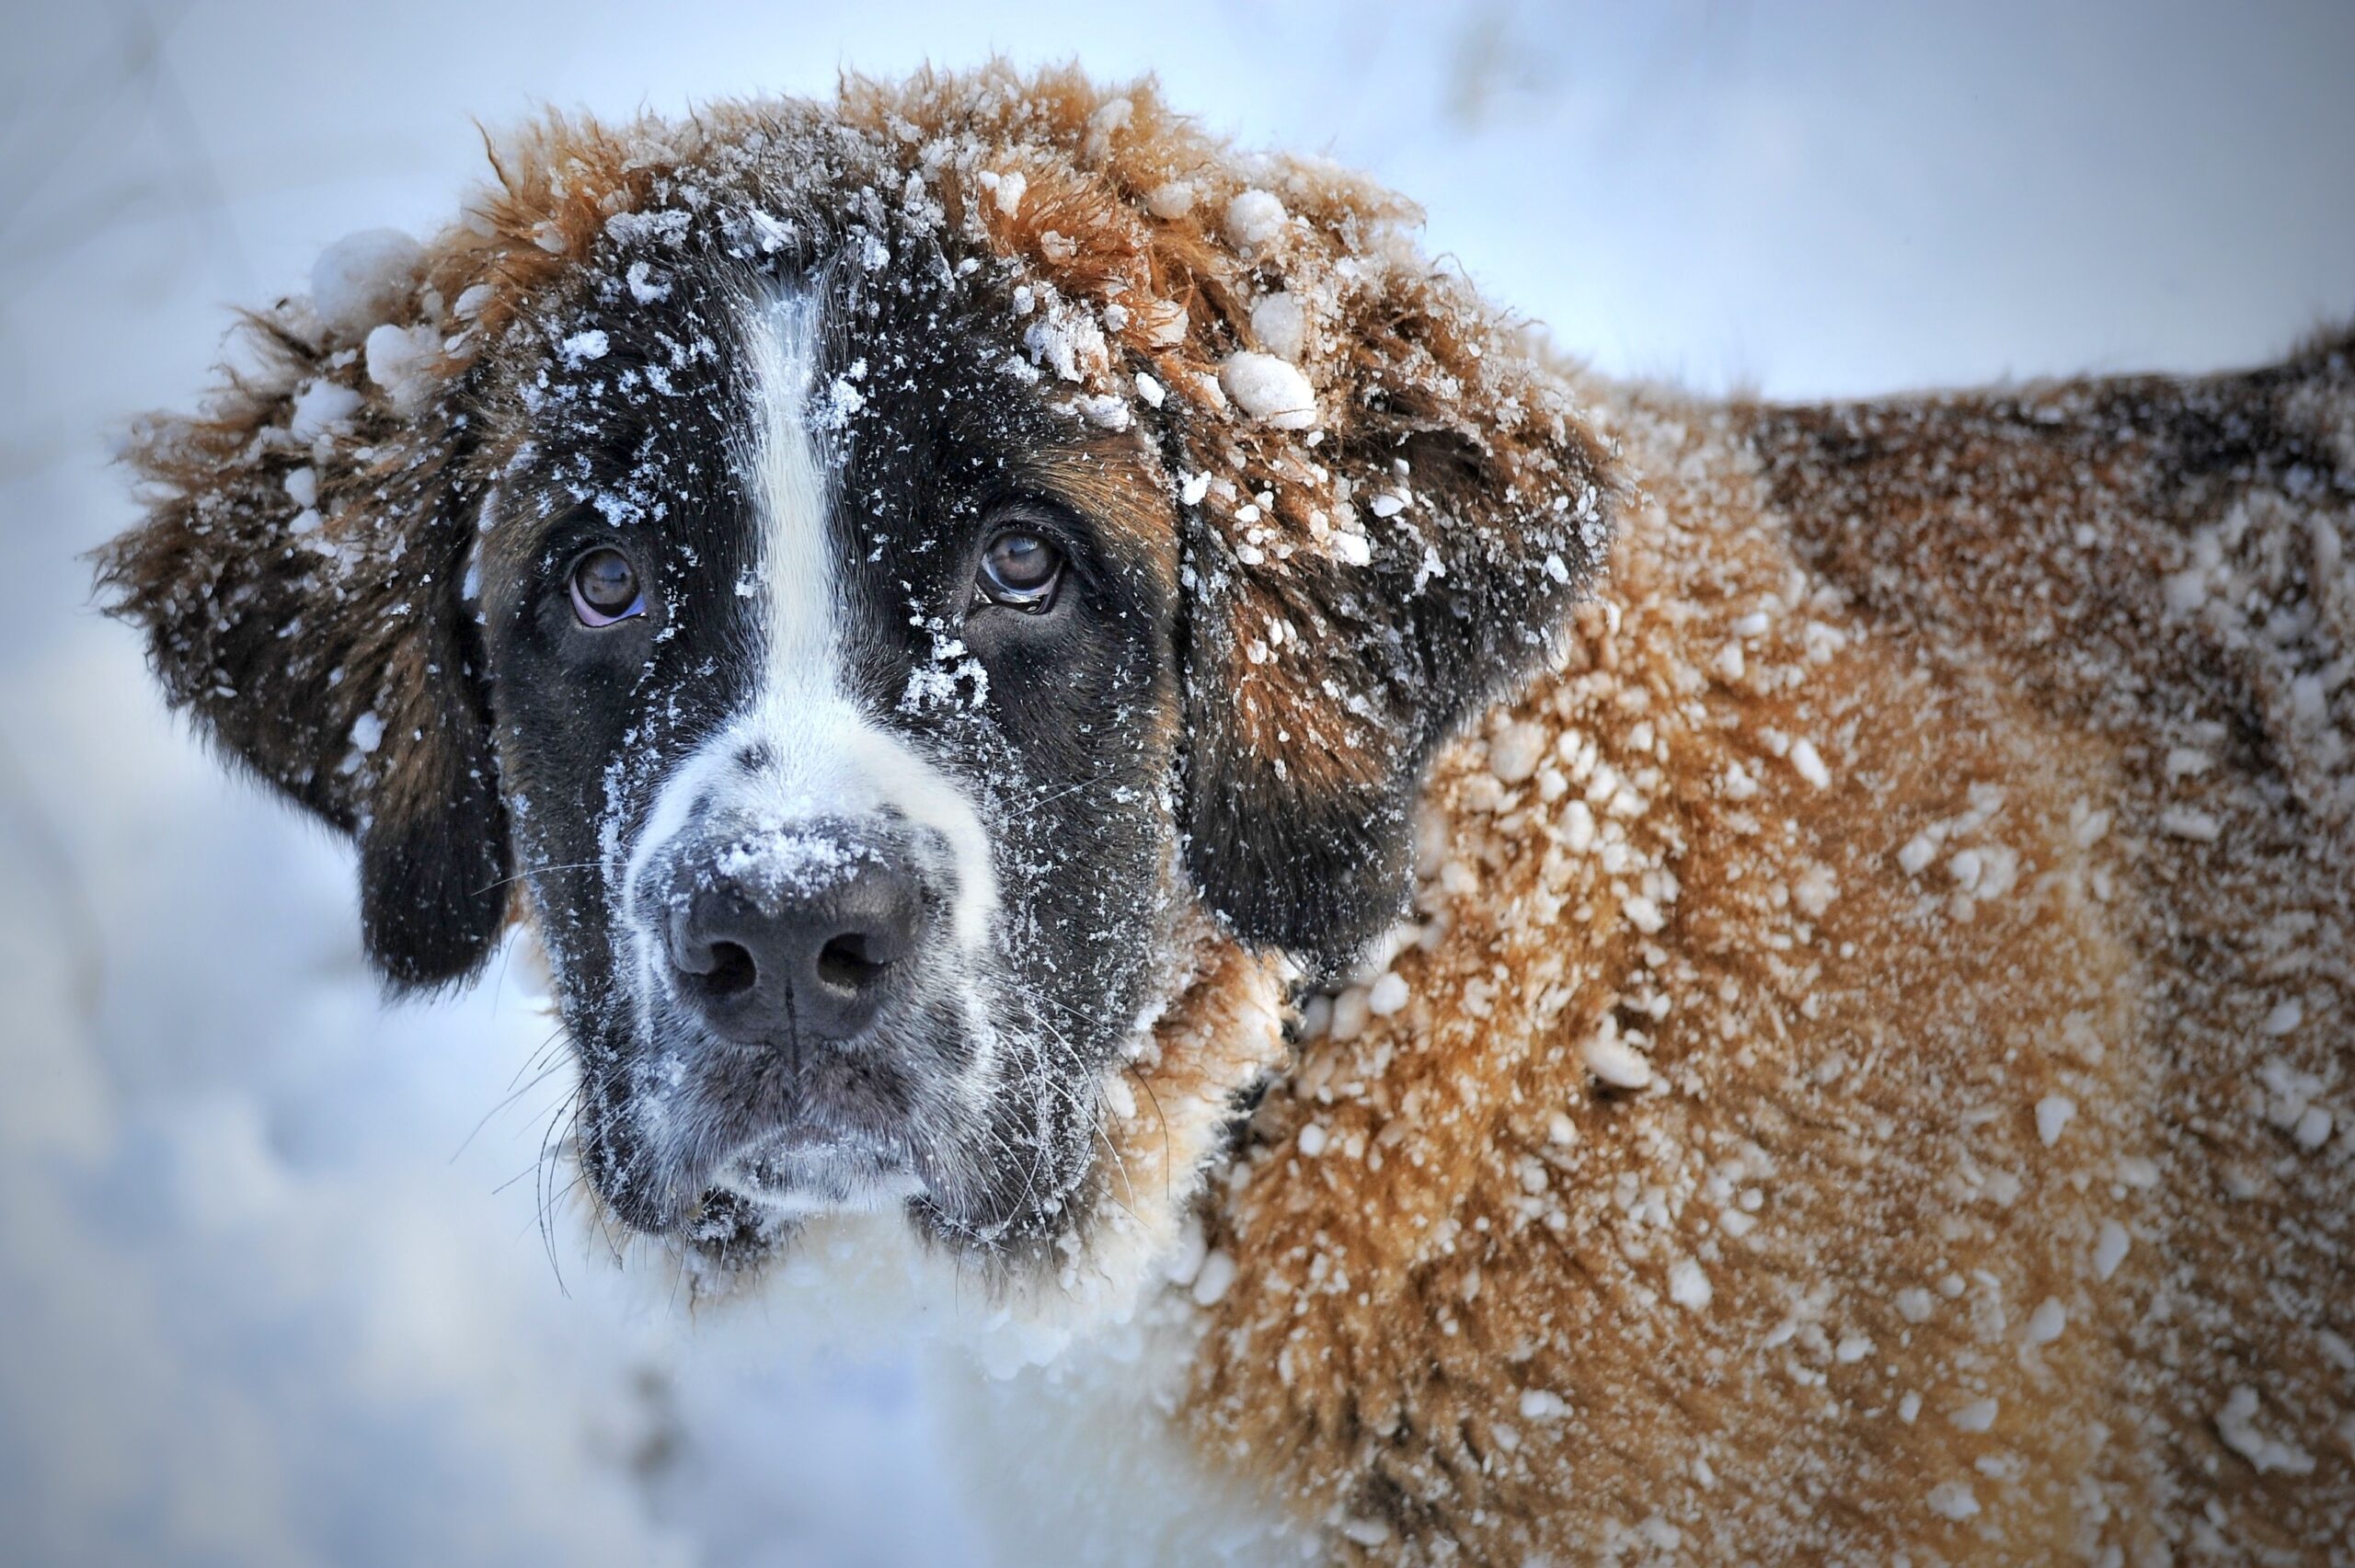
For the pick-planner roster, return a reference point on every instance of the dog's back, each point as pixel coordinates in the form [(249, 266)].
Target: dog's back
[(1871, 1081)]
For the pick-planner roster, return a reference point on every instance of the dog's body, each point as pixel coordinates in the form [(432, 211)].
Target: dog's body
[(1985, 924), (1865, 1074)]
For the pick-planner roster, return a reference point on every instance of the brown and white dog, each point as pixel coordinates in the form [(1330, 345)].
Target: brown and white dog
[(1493, 968)]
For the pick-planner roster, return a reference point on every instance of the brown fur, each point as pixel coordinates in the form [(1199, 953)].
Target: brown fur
[(2089, 644), (1964, 593)]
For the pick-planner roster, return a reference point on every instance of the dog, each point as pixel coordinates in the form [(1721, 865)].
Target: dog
[(1488, 966)]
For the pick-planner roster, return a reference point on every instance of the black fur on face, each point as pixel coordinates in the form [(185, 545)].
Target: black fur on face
[(1019, 758)]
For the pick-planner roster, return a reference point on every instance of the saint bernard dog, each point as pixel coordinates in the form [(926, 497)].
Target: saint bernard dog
[(1479, 964)]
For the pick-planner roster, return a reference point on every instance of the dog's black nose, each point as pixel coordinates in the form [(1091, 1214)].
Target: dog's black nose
[(809, 951)]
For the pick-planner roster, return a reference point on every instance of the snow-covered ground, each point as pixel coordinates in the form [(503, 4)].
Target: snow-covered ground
[(272, 1284)]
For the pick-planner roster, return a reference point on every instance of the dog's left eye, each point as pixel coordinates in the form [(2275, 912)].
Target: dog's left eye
[(1019, 569)]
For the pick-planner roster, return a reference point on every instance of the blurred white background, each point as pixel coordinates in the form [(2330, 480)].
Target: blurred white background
[(271, 1291)]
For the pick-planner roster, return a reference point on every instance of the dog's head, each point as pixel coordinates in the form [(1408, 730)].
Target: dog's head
[(867, 576)]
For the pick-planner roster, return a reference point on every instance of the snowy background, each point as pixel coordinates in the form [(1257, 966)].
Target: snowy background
[(272, 1289)]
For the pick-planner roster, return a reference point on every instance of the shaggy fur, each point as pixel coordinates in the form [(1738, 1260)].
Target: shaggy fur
[(1863, 1077), (1986, 1197)]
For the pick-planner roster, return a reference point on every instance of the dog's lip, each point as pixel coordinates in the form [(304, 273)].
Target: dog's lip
[(808, 1139), (784, 1164)]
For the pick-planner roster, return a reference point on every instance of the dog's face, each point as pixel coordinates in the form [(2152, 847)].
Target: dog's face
[(831, 655), (869, 575)]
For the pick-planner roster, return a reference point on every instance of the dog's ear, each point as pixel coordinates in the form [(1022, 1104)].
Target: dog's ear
[(1388, 503), (299, 576), (1320, 678), (1390, 506)]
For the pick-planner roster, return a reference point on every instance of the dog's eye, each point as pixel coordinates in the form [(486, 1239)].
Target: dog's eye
[(604, 589), (1019, 569)]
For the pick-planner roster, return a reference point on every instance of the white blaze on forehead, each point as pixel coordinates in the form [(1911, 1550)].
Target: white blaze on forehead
[(822, 759), (795, 470)]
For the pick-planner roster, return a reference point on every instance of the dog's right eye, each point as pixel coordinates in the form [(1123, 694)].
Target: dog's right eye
[(604, 588)]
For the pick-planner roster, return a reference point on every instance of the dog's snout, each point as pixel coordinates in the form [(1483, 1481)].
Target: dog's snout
[(765, 954)]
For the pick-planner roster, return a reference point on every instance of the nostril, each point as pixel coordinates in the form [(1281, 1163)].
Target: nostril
[(847, 962), (732, 971)]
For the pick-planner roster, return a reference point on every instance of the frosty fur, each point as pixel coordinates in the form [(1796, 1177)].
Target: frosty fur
[(1865, 1074), (1870, 1079)]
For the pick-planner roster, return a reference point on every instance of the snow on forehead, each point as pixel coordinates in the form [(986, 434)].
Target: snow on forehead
[(1113, 232), (1144, 263), (363, 279)]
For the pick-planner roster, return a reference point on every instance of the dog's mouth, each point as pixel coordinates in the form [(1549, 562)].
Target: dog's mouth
[(947, 1117), (741, 1197), (665, 1151), (816, 1165)]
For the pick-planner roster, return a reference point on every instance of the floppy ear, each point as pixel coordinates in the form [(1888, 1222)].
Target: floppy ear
[(1390, 507), (1320, 680), (299, 579)]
